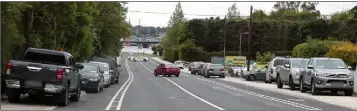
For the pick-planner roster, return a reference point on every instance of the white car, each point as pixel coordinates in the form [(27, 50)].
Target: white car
[(179, 64), (104, 68)]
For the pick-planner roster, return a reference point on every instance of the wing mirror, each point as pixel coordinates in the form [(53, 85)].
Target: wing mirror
[(287, 65), (349, 67), (310, 66), (79, 66)]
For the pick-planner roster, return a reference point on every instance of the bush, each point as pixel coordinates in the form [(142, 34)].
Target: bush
[(347, 52), (264, 58), (314, 48), (188, 51)]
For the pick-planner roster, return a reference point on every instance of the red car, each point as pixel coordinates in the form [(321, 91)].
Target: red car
[(167, 70)]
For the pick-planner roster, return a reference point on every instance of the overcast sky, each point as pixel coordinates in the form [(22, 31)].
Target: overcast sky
[(209, 8)]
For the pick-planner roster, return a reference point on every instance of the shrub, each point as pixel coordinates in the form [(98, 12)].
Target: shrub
[(188, 51), (346, 52), (264, 58)]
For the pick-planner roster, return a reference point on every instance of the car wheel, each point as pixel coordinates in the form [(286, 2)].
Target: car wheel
[(76, 97), (223, 77), (349, 93), (13, 95), (302, 85), (97, 89), (63, 98), (101, 88), (279, 84), (177, 75), (192, 72), (291, 83), (268, 80), (314, 90), (116, 81), (251, 78)]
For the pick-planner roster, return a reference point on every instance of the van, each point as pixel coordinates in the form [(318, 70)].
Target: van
[(270, 74)]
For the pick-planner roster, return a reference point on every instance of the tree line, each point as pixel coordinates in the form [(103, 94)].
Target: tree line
[(148, 31), (289, 24), (81, 28)]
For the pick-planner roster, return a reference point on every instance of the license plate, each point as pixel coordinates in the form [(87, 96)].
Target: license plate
[(337, 83), (33, 83), (83, 82)]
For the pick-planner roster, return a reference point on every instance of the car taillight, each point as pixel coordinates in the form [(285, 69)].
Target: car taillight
[(222, 70), (8, 70), (59, 74)]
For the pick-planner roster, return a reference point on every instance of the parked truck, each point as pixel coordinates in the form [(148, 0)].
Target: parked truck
[(289, 72), (327, 74), (44, 72)]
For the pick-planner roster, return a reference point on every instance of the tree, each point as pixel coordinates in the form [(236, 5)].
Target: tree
[(233, 12), (296, 5)]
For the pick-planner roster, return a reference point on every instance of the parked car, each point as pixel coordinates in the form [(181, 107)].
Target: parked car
[(258, 74), (289, 73), (114, 68), (203, 73), (4, 77), (167, 70), (104, 67), (330, 74), (271, 69), (44, 72), (92, 78), (214, 70), (179, 64), (194, 67)]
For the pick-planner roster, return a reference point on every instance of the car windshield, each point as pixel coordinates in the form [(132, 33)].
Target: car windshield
[(89, 69), (330, 64), (299, 63), (102, 66), (278, 62)]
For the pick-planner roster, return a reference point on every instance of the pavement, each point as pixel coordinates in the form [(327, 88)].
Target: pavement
[(139, 89)]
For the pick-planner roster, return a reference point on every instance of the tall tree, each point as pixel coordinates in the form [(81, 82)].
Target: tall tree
[(233, 12), (296, 5)]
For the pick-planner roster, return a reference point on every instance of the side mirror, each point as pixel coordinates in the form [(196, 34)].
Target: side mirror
[(287, 65), (349, 67), (310, 66), (79, 66)]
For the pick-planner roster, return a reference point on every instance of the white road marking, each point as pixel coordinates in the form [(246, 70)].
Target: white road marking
[(117, 93), (263, 96), (127, 87), (199, 98)]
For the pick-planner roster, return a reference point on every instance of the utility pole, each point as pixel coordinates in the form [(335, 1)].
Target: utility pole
[(250, 35), (224, 40)]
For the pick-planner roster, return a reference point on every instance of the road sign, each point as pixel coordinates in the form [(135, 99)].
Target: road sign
[(235, 60)]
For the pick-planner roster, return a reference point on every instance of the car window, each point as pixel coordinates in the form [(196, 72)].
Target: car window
[(216, 65), (298, 63), (278, 62), (330, 64), (45, 58)]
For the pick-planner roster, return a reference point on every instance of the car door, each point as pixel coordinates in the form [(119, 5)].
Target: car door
[(309, 72), (160, 71), (286, 70), (71, 73)]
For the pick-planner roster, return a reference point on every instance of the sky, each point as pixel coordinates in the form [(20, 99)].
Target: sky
[(192, 9)]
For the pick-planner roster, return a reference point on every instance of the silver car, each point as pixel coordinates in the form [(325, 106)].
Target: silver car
[(327, 74), (214, 70), (104, 67)]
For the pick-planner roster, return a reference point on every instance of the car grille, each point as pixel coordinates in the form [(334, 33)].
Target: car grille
[(337, 75)]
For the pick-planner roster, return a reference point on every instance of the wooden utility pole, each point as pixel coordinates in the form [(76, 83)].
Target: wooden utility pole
[(249, 37)]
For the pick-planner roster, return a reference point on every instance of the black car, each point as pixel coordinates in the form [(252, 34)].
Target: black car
[(44, 72), (92, 78)]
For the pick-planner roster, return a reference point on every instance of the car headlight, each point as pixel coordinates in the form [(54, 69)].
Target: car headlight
[(93, 79), (319, 74), (350, 74)]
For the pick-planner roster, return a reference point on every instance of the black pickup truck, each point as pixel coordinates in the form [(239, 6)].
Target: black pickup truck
[(44, 72)]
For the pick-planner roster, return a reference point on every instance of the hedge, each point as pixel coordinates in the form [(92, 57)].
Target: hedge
[(347, 52)]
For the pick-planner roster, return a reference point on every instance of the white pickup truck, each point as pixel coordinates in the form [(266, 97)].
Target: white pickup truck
[(289, 72)]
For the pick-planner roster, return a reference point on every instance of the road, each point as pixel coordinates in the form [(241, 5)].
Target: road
[(139, 89)]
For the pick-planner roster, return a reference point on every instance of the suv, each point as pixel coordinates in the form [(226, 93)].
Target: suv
[(44, 72), (327, 74), (270, 74), (289, 73), (114, 68)]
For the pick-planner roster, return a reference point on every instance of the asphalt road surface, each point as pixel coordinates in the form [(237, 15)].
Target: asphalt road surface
[(139, 89)]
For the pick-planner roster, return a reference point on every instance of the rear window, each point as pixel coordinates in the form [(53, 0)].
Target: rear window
[(216, 65), (45, 58), (278, 62)]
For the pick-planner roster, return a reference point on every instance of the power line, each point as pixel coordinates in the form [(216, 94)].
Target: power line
[(184, 14)]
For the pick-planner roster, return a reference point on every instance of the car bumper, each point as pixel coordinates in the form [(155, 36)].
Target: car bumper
[(89, 85), (215, 73), (334, 83)]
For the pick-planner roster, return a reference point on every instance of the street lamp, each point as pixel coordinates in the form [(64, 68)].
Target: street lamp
[(240, 42)]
